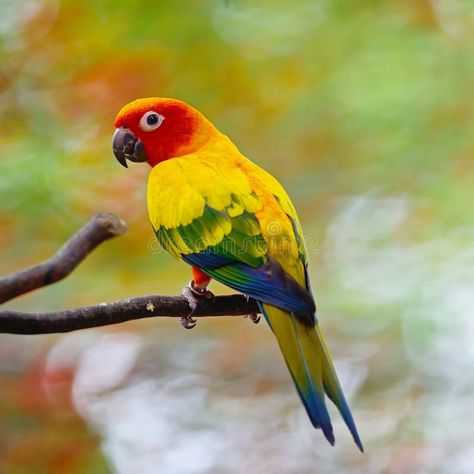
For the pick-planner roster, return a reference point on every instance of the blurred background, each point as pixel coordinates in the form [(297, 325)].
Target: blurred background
[(364, 112)]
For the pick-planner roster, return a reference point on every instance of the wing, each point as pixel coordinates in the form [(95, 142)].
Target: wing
[(231, 225)]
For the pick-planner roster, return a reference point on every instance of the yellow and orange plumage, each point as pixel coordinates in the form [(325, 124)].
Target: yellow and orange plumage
[(232, 221)]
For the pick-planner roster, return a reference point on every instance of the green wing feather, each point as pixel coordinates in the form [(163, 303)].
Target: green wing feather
[(236, 237)]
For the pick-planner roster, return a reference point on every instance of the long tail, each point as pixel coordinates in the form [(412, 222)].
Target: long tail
[(311, 368)]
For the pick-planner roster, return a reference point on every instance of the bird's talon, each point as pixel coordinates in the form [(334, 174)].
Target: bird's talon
[(193, 294), (191, 298), (187, 322), (255, 318)]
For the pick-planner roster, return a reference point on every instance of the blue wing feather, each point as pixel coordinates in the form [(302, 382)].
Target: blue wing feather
[(268, 283)]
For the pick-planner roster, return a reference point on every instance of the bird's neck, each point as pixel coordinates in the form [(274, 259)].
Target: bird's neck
[(171, 147)]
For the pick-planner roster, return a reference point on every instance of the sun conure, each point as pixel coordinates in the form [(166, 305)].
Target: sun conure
[(231, 220)]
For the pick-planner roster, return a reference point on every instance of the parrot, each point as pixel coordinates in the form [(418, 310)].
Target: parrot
[(232, 221)]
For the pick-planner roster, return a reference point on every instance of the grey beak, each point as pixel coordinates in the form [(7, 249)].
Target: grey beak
[(126, 146)]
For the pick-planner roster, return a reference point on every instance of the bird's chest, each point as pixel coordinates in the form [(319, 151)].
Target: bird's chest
[(179, 189)]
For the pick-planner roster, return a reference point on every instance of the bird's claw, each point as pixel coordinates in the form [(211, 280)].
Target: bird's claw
[(255, 318), (192, 295), (187, 322)]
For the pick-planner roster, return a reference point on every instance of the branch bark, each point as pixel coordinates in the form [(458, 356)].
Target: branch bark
[(15, 322), (101, 227)]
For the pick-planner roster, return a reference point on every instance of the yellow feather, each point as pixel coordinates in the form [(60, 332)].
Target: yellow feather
[(178, 189), (220, 177)]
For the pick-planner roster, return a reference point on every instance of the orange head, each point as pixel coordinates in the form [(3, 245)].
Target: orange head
[(157, 129)]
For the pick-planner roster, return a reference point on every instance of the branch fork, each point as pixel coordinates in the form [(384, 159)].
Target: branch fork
[(101, 227)]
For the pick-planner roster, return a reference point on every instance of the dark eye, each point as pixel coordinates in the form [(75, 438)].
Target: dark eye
[(151, 121)]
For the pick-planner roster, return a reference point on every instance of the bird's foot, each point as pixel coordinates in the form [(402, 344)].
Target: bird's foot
[(193, 294), (187, 322), (255, 318), (198, 291)]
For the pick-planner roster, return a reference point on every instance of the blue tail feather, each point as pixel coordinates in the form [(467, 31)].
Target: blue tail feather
[(311, 369)]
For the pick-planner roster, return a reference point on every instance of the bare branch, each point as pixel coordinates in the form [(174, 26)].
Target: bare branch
[(140, 307), (101, 227)]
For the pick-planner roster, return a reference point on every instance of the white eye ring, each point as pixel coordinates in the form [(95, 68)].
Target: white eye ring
[(151, 121)]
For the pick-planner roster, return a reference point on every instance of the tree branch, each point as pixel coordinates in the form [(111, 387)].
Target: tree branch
[(101, 227), (140, 307)]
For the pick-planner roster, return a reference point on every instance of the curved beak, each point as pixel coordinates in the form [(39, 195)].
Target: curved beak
[(127, 146)]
